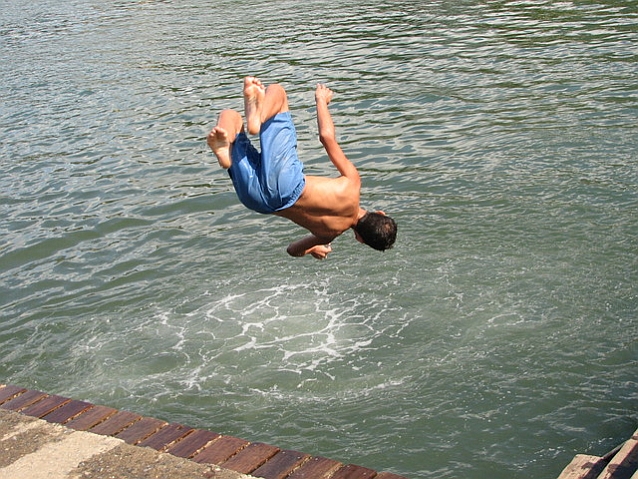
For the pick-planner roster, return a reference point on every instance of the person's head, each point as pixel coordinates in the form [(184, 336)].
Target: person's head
[(376, 230)]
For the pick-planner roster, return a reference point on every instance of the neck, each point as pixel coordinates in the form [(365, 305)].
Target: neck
[(360, 215)]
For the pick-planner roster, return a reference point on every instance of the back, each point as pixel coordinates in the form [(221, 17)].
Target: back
[(327, 207)]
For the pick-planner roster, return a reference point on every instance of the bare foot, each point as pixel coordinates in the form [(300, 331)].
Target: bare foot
[(219, 143), (254, 92)]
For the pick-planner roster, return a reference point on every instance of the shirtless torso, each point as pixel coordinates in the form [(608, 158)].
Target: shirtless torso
[(327, 207)]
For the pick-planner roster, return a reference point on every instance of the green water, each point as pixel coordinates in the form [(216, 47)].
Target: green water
[(498, 338)]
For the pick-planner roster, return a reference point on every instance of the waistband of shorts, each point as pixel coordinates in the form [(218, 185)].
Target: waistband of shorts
[(295, 194)]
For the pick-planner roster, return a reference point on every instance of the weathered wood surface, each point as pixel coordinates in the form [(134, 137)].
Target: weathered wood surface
[(316, 468), (188, 446), (232, 453), (45, 406), (622, 463), (115, 423), (89, 418), (67, 411), (583, 467), (281, 465), (220, 450), (140, 430), (168, 434), (250, 458)]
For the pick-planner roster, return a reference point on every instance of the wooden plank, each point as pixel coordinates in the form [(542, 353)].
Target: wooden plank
[(583, 467), (91, 417), (188, 446), (165, 436), (24, 400), (220, 450), (316, 468), (354, 472), (115, 423), (140, 430), (67, 411), (44, 407), (619, 471), (281, 465), (9, 392), (250, 457), (625, 462)]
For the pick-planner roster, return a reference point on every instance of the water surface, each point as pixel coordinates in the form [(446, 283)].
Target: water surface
[(496, 340)]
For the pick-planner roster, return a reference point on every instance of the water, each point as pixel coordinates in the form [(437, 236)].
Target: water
[(496, 340)]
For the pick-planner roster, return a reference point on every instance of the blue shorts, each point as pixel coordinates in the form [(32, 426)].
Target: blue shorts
[(272, 180)]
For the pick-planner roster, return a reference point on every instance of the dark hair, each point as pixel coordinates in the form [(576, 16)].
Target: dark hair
[(377, 230)]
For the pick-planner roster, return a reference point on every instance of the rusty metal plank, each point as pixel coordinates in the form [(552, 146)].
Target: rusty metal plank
[(354, 472), (44, 407), (115, 423), (281, 465), (220, 450), (8, 392), (140, 430), (24, 400), (316, 468), (192, 443), (250, 458), (165, 436), (67, 411), (91, 417)]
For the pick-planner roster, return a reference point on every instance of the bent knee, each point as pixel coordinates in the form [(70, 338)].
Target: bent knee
[(277, 99), (229, 114), (231, 121), (276, 89)]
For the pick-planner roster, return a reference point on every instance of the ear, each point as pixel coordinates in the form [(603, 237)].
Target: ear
[(358, 238)]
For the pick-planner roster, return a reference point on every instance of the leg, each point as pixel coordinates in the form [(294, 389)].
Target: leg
[(262, 103), (223, 135)]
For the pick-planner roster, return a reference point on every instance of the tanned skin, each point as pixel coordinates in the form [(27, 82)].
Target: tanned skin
[(327, 207)]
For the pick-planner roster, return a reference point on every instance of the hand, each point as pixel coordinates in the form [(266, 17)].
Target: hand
[(323, 93), (321, 251)]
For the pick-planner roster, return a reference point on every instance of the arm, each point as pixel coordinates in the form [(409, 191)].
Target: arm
[(310, 245), (328, 138)]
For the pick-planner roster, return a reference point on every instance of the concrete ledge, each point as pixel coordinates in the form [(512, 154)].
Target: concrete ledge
[(32, 448), (209, 454)]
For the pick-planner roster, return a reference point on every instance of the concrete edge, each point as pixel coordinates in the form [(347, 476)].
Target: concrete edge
[(32, 448)]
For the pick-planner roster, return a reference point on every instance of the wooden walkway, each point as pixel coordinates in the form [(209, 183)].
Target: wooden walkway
[(254, 458), (621, 463)]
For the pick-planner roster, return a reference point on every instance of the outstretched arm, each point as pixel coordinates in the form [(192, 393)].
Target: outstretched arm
[(327, 135), (310, 245)]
